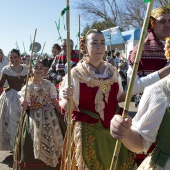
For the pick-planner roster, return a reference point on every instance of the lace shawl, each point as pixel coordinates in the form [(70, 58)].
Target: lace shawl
[(81, 74), (8, 71)]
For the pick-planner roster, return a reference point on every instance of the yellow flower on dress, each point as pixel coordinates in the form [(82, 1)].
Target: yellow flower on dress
[(167, 48)]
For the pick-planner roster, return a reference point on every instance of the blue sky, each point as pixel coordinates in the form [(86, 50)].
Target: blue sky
[(20, 18)]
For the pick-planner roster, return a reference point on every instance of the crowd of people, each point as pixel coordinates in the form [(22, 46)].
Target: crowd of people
[(99, 81)]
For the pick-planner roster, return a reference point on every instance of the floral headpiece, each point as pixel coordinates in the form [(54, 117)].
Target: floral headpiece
[(167, 48), (156, 13), (82, 45)]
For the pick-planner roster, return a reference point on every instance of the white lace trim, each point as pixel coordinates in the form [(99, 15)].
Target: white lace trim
[(101, 76), (78, 147), (146, 144), (81, 74), (8, 71), (46, 135), (44, 126), (41, 94), (84, 76), (165, 86)]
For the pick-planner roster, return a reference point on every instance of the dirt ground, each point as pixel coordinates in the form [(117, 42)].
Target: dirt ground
[(6, 160)]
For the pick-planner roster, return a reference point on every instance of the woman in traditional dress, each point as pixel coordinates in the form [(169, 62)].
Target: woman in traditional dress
[(151, 124), (41, 139), (96, 89), (3, 60), (10, 109)]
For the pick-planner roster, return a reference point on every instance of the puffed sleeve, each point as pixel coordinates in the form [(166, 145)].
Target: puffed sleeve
[(22, 95), (75, 85), (150, 114), (142, 82), (53, 91)]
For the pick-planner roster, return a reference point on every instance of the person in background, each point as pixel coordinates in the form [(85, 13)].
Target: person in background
[(26, 60), (110, 59), (46, 66), (150, 124), (152, 59), (123, 74), (3, 60), (10, 111), (57, 69), (117, 59), (56, 49), (113, 54), (41, 139)]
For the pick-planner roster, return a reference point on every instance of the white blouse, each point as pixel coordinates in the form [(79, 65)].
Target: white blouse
[(151, 111), (142, 82)]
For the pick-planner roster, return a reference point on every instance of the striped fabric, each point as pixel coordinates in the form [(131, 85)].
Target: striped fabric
[(152, 59), (61, 60)]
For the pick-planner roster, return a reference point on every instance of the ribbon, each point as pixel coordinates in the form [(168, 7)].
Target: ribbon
[(76, 47), (60, 38), (64, 10), (78, 35), (58, 24), (62, 14), (145, 1)]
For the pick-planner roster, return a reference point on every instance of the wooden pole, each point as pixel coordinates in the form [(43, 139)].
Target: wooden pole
[(69, 84), (24, 48), (132, 80), (17, 46), (79, 38), (18, 139), (43, 48), (110, 41)]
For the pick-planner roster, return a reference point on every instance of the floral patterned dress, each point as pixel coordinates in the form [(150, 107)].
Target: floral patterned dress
[(10, 109), (41, 140)]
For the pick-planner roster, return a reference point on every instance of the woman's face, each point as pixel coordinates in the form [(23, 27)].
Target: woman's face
[(14, 58), (38, 70), (95, 43), (162, 26), (55, 52), (46, 69), (27, 61)]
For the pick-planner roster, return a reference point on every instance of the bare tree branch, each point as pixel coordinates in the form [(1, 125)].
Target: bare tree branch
[(126, 14)]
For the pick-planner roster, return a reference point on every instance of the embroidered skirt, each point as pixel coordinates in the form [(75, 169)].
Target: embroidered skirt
[(27, 147), (92, 148)]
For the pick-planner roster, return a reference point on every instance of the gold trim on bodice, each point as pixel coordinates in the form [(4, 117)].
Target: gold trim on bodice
[(86, 76)]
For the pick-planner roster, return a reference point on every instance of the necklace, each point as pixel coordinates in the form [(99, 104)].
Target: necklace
[(17, 70), (97, 71)]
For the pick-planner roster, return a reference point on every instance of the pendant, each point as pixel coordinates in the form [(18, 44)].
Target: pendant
[(104, 86)]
